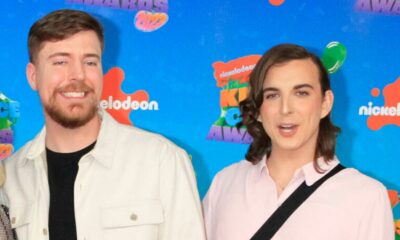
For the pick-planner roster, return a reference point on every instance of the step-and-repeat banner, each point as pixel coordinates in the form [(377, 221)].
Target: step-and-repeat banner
[(180, 68)]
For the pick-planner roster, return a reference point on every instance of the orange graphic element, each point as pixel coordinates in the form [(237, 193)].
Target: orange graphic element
[(394, 197), (150, 21), (239, 68), (276, 2), (5, 150), (112, 87), (232, 97), (375, 92), (397, 226), (392, 99)]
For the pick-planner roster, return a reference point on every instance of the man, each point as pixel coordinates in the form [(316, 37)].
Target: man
[(287, 113), (85, 176)]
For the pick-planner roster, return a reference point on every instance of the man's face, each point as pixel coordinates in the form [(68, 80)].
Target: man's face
[(293, 106), (68, 77)]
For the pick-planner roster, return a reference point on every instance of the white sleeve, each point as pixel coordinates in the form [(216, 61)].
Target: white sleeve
[(208, 205), (180, 197), (377, 222), (3, 198)]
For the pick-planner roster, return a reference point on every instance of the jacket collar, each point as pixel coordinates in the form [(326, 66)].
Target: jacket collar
[(107, 140), (103, 151), (36, 148)]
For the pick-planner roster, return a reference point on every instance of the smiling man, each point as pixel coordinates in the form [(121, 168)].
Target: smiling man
[(291, 185), (85, 176)]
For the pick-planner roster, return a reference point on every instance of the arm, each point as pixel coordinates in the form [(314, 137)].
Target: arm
[(377, 221), (208, 209), (183, 218), (3, 198)]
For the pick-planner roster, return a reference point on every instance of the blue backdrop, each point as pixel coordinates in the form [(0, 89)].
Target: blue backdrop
[(166, 50)]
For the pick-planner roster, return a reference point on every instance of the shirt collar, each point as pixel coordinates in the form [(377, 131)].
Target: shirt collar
[(261, 166), (307, 171), (311, 175)]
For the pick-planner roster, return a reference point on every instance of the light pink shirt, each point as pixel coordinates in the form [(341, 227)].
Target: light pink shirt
[(349, 205)]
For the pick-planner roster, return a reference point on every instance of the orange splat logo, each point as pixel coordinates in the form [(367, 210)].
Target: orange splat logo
[(394, 200), (394, 197), (276, 2), (118, 103), (380, 116), (239, 68), (149, 21)]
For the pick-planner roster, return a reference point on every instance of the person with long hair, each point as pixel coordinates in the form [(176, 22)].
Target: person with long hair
[(292, 185)]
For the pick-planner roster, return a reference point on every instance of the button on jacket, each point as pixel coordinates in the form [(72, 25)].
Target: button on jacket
[(132, 185)]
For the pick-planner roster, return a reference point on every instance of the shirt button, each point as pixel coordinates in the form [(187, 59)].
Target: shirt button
[(13, 220), (134, 217), (45, 231)]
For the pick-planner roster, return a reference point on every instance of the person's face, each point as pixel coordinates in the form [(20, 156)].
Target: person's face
[(68, 77), (293, 105)]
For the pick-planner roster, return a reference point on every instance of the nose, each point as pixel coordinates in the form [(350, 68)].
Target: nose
[(286, 105), (77, 71)]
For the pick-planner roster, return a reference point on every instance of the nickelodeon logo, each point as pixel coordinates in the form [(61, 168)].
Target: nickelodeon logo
[(389, 113), (371, 110), (128, 104), (233, 77), (237, 69), (117, 102)]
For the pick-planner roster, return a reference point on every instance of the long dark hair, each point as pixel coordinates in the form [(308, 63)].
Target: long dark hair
[(250, 107)]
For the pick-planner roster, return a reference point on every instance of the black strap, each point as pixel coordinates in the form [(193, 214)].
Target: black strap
[(278, 218)]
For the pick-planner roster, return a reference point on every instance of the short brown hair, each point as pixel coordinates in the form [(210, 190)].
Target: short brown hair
[(250, 107), (59, 25)]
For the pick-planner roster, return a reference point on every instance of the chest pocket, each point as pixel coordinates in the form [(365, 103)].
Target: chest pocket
[(134, 221), (21, 218)]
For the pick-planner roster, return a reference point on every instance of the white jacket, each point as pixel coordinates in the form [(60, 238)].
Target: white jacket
[(132, 185)]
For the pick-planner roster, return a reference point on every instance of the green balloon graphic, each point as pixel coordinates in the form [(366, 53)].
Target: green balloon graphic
[(334, 56)]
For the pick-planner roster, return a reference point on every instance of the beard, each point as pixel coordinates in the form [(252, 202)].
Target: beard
[(74, 115)]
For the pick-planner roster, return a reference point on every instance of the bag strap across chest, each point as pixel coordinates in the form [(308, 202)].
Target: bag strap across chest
[(278, 218)]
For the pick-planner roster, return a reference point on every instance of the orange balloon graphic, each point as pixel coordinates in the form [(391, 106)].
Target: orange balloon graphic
[(149, 21), (375, 92), (276, 2)]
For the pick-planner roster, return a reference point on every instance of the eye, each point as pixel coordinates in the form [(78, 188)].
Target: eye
[(91, 63), (271, 95), (59, 62), (302, 93)]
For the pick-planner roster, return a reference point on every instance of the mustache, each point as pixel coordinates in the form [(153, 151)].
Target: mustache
[(75, 87)]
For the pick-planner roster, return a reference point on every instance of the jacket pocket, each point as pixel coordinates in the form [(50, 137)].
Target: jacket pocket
[(135, 221), (20, 218)]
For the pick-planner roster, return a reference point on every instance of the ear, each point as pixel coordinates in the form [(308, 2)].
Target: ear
[(327, 103), (31, 75)]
